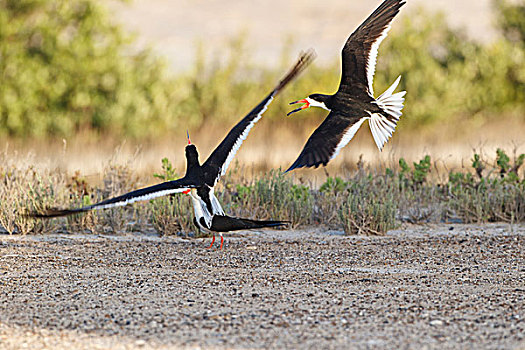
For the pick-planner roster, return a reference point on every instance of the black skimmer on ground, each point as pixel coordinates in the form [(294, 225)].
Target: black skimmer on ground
[(223, 223), (200, 179), (354, 101)]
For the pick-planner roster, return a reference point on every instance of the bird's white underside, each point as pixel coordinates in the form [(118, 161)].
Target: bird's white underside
[(201, 210), (198, 209), (217, 208)]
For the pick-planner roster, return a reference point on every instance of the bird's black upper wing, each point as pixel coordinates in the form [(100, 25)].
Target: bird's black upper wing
[(151, 192), (218, 162), (327, 140), (360, 51)]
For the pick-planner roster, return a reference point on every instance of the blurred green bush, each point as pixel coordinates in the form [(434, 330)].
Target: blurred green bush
[(66, 68)]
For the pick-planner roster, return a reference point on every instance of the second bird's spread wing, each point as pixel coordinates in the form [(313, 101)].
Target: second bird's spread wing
[(218, 162), (162, 189), (360, 51), (327, 140)]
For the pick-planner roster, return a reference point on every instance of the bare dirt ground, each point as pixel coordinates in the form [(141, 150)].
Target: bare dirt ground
[(420, 287)]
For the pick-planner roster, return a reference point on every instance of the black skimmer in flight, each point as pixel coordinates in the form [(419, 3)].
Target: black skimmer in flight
[(354, 101), (200, 179)]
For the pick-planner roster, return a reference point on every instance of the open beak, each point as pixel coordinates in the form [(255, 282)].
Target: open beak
[(305, 106)]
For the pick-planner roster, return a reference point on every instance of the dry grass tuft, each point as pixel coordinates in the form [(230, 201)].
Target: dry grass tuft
[(368, 201)]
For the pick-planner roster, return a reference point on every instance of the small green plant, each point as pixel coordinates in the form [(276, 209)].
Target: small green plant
[(404, 172), (503, 161), (335, 185), (415, 177), (421, 170), (507, 171), (478, 166), (168, 172)]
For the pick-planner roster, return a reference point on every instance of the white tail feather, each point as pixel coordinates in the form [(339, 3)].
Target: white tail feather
[(381, 126)]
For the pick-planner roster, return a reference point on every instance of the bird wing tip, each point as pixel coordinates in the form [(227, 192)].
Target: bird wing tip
[(51, 213), (295, 165)]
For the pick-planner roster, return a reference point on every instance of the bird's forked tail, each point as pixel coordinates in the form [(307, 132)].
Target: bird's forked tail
[(383, 125), (252, 224)]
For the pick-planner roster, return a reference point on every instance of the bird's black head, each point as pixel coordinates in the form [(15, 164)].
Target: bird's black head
[(314, 100), (192, 156), (317, 99)]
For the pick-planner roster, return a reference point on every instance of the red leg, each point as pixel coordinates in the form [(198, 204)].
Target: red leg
[(222, 241), (212, 241)]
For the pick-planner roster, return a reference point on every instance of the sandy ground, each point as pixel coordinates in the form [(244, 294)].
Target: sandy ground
[(420, 287)]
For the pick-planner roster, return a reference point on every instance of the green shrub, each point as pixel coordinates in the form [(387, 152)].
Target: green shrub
[(498, 196), (66, 68), (511, 20), (271, 196), (370, 207)]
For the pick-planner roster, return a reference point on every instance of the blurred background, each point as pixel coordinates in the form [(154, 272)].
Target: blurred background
[(85, 82)]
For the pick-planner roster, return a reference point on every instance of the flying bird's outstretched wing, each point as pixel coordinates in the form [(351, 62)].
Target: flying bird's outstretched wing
[(218, 162), (327, 140), (162, 189), (360, 51)]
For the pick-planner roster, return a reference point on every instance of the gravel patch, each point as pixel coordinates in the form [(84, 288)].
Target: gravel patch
[(421, 287)]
